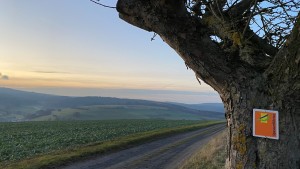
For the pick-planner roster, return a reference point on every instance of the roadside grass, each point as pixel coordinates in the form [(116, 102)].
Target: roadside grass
[(61, 157), (211, 156)]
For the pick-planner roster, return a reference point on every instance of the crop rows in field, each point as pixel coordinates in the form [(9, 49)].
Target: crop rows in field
[(27, 139)]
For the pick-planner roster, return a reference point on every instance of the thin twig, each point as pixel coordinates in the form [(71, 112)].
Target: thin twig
[(153, 37), (219, 9), (248, 22), (213, 12), (106, 6)]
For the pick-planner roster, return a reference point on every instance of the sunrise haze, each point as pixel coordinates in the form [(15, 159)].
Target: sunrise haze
[(79, 48)]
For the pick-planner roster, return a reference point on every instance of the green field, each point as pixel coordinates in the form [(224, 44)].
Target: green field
[(28, 139)]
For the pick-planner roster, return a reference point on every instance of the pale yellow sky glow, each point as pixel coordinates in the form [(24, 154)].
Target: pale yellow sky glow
[(75, 44), (21, 79)]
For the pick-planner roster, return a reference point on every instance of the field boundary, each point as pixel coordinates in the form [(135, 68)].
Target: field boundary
[(62, 157)]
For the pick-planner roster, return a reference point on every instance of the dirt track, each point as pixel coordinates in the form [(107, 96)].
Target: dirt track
[(166, 153)]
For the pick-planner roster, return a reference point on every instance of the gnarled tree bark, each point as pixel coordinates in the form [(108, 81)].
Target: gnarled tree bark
[(248, 74)]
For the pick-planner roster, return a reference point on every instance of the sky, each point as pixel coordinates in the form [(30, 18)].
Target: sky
[(78, 48)]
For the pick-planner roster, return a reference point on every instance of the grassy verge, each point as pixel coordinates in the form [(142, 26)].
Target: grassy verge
[(61, 157), (211, 156)]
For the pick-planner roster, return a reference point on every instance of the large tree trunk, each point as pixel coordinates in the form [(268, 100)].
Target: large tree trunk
[(246, 151), (278, 88), (244, 79)]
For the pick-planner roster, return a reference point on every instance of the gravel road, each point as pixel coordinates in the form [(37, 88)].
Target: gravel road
[(166, 153)]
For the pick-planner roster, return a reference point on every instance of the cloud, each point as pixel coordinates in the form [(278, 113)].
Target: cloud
[(48, 72), (4, 77)]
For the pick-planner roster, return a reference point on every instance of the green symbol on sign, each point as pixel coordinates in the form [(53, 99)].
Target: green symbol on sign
[(264, 118)]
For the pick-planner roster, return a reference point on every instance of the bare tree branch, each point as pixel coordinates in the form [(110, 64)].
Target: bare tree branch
[(250, 16), (241, 7)]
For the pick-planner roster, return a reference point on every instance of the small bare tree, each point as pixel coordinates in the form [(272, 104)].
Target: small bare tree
[(249, 52)]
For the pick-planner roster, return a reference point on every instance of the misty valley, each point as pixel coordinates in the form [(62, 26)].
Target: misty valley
[(28, 106)]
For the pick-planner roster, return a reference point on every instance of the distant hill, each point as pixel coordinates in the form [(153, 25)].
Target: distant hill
[(216, 107), (18, 105)]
